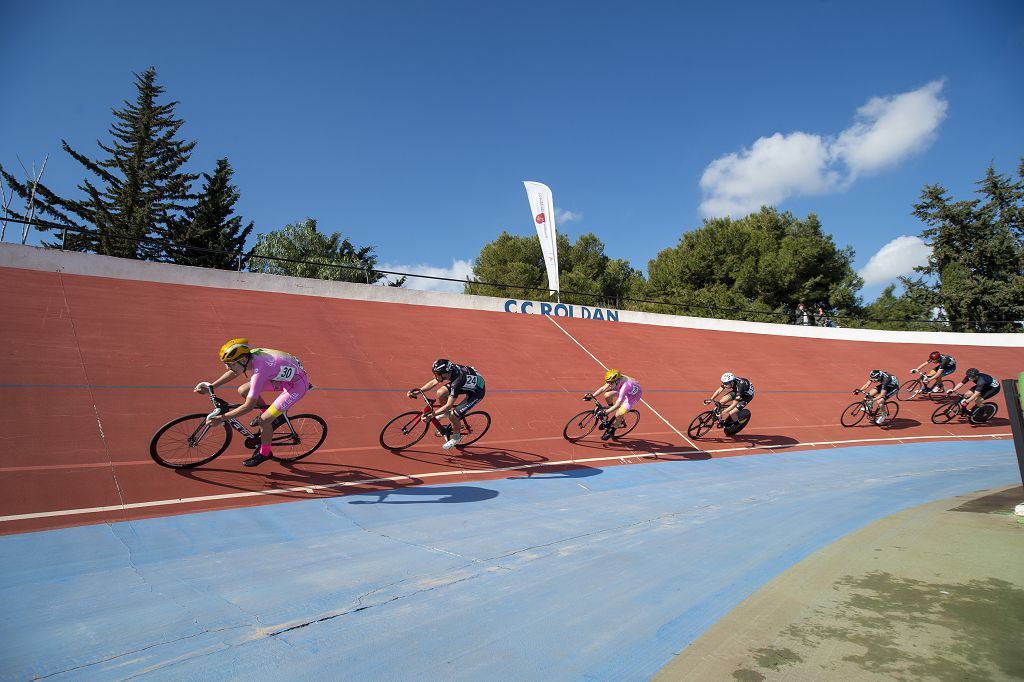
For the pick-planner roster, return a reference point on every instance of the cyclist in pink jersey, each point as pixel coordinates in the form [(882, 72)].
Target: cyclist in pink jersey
[(622, 393), (281, 371)]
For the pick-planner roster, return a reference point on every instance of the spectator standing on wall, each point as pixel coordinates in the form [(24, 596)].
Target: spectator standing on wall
[(803, 315)]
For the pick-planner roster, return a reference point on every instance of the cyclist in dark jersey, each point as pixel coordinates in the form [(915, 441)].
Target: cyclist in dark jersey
[(985, 386), (462, 380), (888, 385), (739, 392), (944, 366)]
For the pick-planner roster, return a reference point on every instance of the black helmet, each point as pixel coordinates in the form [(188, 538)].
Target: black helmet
[(972, 374), (441, 366), (875, 375)]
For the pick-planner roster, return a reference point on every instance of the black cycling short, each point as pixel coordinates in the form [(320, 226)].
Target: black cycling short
[(989, 392), (471, 401), (887, 391), (742, 400)]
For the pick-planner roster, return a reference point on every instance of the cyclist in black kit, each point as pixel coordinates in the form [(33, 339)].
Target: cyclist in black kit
[(888, 385), (944, 366), (462, 380), (985, 386), (739, 392)]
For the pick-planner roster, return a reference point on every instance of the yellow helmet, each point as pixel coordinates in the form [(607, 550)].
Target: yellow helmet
[(612, 375), (234, 349)]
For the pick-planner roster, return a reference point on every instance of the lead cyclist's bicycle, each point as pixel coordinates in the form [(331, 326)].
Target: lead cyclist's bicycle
[(189, 441)]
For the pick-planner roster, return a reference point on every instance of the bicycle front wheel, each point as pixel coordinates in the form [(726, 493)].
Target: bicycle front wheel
[(632, 418), (580, 426), (474, 426), (944, 414), (853, 414), (303, 438), (189, 441), (403, 431), (701, 424), (909, 389)]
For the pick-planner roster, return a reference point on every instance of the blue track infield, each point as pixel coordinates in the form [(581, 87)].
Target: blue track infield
[(592, 573)]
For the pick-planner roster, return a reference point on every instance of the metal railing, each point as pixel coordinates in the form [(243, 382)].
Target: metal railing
[(500, 289)]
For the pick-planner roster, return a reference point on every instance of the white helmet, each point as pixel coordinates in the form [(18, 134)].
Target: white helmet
[(727, 377)]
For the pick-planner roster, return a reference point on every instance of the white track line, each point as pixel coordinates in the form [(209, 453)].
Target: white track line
[(656, 413), (310, 489)]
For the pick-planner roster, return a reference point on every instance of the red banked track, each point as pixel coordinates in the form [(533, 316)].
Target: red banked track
[(96, 365)]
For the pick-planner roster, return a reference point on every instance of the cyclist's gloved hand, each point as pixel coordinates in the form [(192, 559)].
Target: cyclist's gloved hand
[(413, 392), (707, 402), (202, 387), (588, 396), (213, 416), (856, 391)]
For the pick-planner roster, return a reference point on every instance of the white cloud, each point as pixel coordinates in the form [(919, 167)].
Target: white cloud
[(887, 130), (564, 216), (896, 258), (460, 270), (774, 168)]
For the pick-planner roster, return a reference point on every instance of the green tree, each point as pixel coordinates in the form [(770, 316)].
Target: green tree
[(209, 224), (138, 190), (764, 263), (586, 275), (975, 273), (904, 312), (307, 252)]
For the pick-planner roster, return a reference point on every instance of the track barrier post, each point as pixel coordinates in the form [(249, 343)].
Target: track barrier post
[(1014, 398)]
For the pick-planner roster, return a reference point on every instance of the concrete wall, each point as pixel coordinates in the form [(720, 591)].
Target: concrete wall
[(51, 260)]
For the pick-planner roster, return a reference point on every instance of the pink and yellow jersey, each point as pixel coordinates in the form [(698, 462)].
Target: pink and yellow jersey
[(629, 393), (283, 372)]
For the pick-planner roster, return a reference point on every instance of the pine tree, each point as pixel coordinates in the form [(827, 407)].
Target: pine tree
[(209, 224), (137, 191), (975, 273)]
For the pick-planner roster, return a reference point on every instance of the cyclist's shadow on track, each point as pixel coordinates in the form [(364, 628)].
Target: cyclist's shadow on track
[(448, 494)]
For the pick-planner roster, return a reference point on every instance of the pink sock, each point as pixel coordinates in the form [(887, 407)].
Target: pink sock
[(265, 449)]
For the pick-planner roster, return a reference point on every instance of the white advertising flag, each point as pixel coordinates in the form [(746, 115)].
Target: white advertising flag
[(543, 208)]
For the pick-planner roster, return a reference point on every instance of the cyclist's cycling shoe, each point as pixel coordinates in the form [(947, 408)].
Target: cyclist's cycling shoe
[(256, 459), (608, 433), (452, 442)]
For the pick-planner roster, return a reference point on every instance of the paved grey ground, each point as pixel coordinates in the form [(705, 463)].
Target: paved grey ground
[(930, 593)]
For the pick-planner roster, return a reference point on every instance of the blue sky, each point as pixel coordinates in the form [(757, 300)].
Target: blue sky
[(411, 125)]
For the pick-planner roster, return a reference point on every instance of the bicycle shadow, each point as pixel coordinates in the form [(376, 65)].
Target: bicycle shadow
[(753, 440), (473, 457), (454, 494), (645, 447), (900, 423), (334, 483), (994, 421), (559, 471)]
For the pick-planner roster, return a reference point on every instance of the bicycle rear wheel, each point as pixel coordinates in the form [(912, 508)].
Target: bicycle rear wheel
[(632, 418), (984, 413), (474, 426), (742, 419), (580, 426), (853, 414), (701, 424), (306, 435), (403, 431), (188, 441), (910, 389), (892, 409)]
